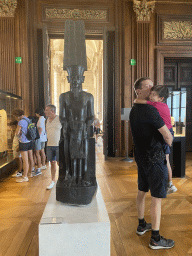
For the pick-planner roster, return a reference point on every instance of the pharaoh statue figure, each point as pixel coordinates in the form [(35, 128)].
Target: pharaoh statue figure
[(77, 182)]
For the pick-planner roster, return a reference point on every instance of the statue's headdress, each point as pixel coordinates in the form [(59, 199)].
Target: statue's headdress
[(74, 46)]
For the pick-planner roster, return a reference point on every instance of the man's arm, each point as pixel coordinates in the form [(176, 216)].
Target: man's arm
[(166, 135), (139, 101)]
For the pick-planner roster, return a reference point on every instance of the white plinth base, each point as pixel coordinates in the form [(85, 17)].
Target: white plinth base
[(74, 230)]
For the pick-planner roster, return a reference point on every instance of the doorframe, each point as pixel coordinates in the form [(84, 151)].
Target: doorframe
[(167, 53), (47, 35), (46, 39)]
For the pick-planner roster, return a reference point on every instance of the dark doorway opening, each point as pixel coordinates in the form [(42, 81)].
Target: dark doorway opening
[(178, 76)]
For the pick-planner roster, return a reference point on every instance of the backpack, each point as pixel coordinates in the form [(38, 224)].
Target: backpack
[(31, 130)]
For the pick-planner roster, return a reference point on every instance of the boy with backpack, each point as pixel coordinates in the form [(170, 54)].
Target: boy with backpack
[(26, 134)]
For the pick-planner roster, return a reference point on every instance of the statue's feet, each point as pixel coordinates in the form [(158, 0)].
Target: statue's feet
[(80, 182), (73, 182), (67, 177), (86, 183), (67, 183)]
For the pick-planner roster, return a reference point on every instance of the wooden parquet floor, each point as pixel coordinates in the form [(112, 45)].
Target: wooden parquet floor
[(22, 205)]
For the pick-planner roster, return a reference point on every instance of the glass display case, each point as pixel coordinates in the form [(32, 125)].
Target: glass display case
[(177, 105), (8, 102)]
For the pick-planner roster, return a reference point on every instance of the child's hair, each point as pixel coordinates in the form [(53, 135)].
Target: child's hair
[(17, 112), (33, 119), (162, 91), (40, 111), (15, 122)]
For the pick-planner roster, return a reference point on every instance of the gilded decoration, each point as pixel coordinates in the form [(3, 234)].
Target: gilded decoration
[(76, 14), (7, 8), (143, 10), (177, 30)]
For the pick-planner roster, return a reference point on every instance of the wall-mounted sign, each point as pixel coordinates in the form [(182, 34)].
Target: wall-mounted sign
[(133, 62), (18, 60)]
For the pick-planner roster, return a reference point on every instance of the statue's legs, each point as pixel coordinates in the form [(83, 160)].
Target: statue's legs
[(66, 155), (74, 171), (80, 172), (86, 155)]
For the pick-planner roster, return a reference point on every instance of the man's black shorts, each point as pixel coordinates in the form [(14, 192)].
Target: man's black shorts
[(153, 176)]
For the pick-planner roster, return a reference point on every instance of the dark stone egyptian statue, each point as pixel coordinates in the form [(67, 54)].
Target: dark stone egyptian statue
[(77, 182)]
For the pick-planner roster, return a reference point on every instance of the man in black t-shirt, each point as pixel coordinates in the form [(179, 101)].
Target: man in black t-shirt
[(148, 131)]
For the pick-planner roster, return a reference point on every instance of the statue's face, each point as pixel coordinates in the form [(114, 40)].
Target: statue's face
[(77, 81), (75, 77)]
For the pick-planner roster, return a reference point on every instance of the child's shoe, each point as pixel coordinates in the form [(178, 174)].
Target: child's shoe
[(171, 189), (17, 174)]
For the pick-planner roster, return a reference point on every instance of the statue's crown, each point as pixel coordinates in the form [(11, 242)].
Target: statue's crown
[(74, 45)]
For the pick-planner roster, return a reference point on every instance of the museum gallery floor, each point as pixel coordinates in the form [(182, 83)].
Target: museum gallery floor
[(22, 205)]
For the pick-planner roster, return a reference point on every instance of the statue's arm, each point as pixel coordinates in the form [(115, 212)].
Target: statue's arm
[(62, 110), (90, 110)]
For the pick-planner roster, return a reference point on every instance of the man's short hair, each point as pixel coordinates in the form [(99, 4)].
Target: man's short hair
[(161, 90), (52, 107), (17, 112), (138, 82)]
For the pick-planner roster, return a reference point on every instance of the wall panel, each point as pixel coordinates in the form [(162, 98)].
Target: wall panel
[(7, 55)]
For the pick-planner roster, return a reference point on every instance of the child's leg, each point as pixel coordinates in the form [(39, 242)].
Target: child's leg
[(34, 157), (38, 157), (20, 164), (24, 155), (169, 170), (170, 188), (31, 161), (43, 157)]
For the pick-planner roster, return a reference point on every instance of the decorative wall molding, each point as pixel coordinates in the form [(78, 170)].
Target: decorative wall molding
[(174, 30), (142, 50), (143, 10), (88, 14), (177, 30), (7, 8), (7, 55)]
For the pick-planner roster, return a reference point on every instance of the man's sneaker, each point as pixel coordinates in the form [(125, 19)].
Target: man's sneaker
[(23, 179), (163, 243), (141, 231), (37, 172), (17, 174), (33, 170), (43, 167), (51, 185), (171, 189)]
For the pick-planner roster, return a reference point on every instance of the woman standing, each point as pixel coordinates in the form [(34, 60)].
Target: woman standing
[(25, 145), (40, 143)]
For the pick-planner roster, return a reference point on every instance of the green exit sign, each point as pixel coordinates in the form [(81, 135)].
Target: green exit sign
[(18, 60), (133, 62)]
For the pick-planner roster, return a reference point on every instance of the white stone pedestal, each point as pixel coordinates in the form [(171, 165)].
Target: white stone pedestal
[(74, 230)]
